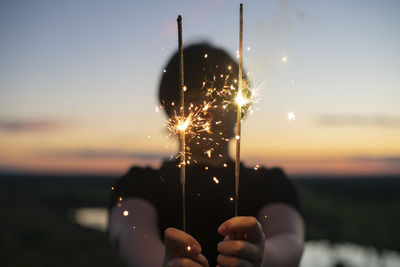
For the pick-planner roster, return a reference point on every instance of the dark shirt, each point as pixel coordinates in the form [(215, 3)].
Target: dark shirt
[(208, 203)]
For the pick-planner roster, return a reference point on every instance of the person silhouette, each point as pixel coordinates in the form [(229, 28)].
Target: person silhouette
[(146, 203)]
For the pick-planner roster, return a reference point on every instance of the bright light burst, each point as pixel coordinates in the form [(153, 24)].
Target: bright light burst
[(183, 124), (291, 116), (196, 122), (223, 89), (241, 100)]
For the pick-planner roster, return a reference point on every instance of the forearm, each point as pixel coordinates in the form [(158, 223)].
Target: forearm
[(283, 250), (138, 248), (136, 233)]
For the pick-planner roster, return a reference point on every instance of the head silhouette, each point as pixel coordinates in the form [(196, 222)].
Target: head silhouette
[(205, 67)]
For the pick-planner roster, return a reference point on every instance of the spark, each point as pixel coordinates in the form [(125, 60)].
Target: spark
[(291, 116), (157, 109), (205, 55), (256, 167), (284, 59), (206, 168), (126, 213), (149, 136), (189, 248), (241, 100), (196, 122), (248, 48), (216, 180), (231, 199), (208, 153), (182, 125), (225, 165), (164, 70), (112, 188)]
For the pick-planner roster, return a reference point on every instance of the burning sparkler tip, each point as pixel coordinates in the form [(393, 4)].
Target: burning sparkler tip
[(291, 116)]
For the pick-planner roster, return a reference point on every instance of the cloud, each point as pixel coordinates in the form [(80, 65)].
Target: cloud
[(18, 126), (359, 120), (393, 159), (101, 153)]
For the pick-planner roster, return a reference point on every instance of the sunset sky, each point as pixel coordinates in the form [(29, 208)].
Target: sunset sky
[(78, 82)]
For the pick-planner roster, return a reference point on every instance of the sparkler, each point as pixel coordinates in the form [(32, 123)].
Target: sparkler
[(182, 127), (240, 101)]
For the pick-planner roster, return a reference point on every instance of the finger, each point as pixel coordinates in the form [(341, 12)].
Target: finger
[(241, 249), (201, 259), (178, 243), (238, 236), (183, 262), (248, 225), (229, 261)]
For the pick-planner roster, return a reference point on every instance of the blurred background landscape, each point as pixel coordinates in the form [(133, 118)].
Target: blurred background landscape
[(60, 220), (78, 108)]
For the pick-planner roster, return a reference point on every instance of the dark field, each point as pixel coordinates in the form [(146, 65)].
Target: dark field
[(38, 230)]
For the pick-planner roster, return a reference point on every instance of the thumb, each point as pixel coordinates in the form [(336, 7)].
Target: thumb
[(179, 243)]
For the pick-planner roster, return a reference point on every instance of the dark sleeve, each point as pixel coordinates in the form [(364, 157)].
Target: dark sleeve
[(280, 189), (267, 186), (138, 182)]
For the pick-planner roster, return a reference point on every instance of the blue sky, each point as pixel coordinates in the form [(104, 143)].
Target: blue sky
[(83, 75)]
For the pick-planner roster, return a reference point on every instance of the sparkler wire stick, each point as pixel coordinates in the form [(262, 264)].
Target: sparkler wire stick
[(182, 132), (239, 112)]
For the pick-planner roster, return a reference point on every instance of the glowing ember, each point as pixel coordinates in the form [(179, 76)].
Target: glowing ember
[(291, 116), (241, 100), (182, 125)]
